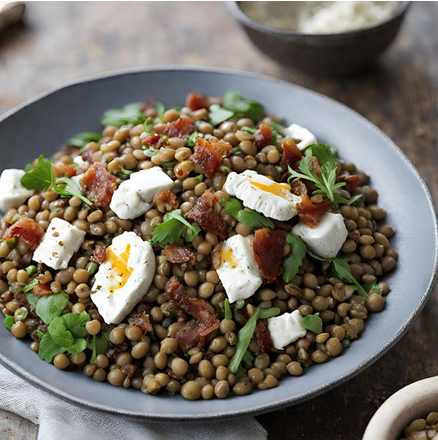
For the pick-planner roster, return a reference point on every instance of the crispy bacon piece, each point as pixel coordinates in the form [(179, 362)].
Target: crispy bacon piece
[(182, 128), (42, 289), (196, 101), (177, 253), (88, 156), (155, 141), (350, 181), (299, 186), (129, 370), (311, 213), (142, 320), (209, 154), (216, 258), (99, 254), (165, 201), (262, 136), (205, 321), (61, 169), (203, 213), (291, 154), (268, 246), (99, 185), (27, 229), (263, 337)]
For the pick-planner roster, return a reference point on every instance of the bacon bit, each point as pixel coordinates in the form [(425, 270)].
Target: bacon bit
[(216, 259), (165, 201), (182, 128), (263, 136), (88, 156), (99, 254), (291, 154), (99, 185), (299, 186), (177, 253), (268, 248), (263, 337), (61, 169), (203, 213), (173, 375), (142, 320), (196, 101), (311, 213), (209, 154), (129, 370), (195, 331), (42, 289), (351, 181), (27, 229), (155, 141)]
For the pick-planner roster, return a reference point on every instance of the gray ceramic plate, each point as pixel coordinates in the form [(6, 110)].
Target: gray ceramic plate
[(42, 126)]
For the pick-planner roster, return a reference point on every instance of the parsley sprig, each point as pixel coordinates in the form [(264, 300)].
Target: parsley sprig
[(41, 178), (326, 184), (252, 219)]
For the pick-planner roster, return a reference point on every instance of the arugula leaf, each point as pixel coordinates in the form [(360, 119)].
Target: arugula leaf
[(71, 188), (48, 348), (130, 114), (251, 218), (228, 312), (242, 108), (191, 141), (173, 226), (9, 321), (39, 178), (32, 299), (312, 323), (326, 185), (218, 114), (51, 306), (98, 345), (294, 260), (81, 139)]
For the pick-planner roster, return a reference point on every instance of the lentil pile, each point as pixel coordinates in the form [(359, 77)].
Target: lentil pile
[(192, 331), (422, 429)]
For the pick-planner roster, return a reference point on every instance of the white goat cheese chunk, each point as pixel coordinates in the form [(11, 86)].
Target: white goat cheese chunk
[(326, 239), (286, 328), (58, 245), (82, 164), (302, 137), (262, 194), (124, 277), (134, 196), (238, 271), (12, 193)]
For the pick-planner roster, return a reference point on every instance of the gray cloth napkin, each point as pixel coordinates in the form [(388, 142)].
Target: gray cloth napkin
[(58, 419)]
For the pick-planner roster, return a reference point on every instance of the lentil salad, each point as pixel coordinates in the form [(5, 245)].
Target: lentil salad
[(145, 351)]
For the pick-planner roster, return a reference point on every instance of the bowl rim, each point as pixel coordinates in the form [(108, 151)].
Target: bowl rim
[(262, 408), (236, 11)]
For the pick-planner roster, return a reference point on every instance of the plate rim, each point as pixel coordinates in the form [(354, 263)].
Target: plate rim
[(261, 408)]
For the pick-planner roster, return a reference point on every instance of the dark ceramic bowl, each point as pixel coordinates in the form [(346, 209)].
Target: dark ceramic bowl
[(326, 54)]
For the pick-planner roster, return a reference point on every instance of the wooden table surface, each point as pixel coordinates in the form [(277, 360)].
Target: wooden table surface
[(61, 42)]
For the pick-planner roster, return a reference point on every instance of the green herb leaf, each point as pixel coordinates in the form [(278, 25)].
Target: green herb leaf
[(192, 139), (269, 313), (28, 287), (51, 306), (172, 228), (275, 131), (240, 303), (200, 177), (242, 108), (148, 125), (235, 149), (9, 321), (228, 312), (243, 340), (130, 114), (160, 108), (32, 299), (247, 358), (294, 260), (148, 152), (81, 139), (71, 188), (218, 114), (30, 270), (48, 348), (92, 268), (249, 130), (127, 172), (251, 218), (312, 323), (98, 345), (39, 178)]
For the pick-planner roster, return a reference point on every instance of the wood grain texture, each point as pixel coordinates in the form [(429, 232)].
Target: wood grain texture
[(65, 41)]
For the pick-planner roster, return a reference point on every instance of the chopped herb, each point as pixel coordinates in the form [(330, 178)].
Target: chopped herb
[(228, 312), (247, 358), (192, 140), (167, 165), (200, 177), (312, 323), (127, 172), (148, 125), (251, 218), (81, 139), (70, 189), (240, 303), (160, 108), (372, 288), (9, 321), (21, 313), (241, 107), (326, 185), (235, 149), (28, 287), (239, 372), (294, 260), (98, 345), (130, 114), (92, 268), (248, 130), (275, 130), (218, 114), (172, 228), (11, 242), (148, 152), (269, 313), (346, 343)]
